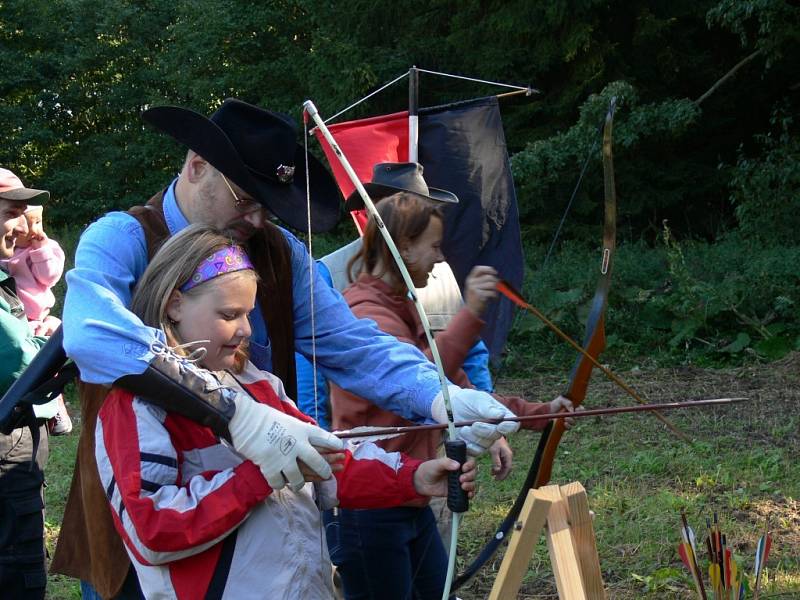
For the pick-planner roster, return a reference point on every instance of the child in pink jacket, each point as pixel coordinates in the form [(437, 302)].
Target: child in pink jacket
[(36, 266)]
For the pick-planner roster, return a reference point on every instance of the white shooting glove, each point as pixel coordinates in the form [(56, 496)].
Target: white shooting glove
[(275, 442), (47, 410), (469, 405)]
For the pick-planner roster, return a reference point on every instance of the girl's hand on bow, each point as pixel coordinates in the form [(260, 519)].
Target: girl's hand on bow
[(564, 404), (334, 459), (430, 479)]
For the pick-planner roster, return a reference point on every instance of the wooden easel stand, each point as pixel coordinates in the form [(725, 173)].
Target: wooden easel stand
[(570, 542)]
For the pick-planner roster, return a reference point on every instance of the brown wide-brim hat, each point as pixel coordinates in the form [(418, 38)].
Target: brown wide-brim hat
[(258, 151), (391, 178), (11, 188)]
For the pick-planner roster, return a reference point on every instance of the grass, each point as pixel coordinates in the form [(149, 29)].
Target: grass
[(59, 476), (743, 465), (639, 477)]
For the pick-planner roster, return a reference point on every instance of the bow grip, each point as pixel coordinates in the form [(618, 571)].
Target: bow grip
[(457, 499)]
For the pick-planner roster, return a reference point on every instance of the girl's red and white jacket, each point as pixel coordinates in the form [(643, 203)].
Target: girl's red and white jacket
[(200, 521)]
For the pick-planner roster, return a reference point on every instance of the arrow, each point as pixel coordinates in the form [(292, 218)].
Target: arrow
[(762, 552), (509, 292), (392, 431), (691, 551)]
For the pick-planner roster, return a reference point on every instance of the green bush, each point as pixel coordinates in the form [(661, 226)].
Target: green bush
[(766, 188), (685, 302)]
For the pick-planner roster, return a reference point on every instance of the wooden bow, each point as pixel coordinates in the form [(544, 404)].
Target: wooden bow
[(594, 343)]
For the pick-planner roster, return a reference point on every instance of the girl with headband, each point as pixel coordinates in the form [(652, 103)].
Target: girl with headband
[(197, 519)]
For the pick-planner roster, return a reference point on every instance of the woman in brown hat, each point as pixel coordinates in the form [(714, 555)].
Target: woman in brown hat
[(397, 552)]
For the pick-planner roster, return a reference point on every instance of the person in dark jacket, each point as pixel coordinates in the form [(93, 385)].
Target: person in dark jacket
[(23, 451)]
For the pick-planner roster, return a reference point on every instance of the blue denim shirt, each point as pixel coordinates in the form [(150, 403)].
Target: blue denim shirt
[(107, 341), (476, 366)]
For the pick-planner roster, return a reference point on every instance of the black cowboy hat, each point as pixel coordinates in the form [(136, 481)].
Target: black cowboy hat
[(390, 178), (257, 150)]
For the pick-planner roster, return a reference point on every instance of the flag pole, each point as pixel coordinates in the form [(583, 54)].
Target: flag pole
[(312, 112), (413, 114), (528, 92), (413, 156)]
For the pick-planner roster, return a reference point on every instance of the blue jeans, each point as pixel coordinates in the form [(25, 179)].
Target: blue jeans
[(387, 554), (130, 589), (88, 592)]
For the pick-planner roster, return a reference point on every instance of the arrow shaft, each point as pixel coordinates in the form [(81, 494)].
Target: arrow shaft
[(542, 417)]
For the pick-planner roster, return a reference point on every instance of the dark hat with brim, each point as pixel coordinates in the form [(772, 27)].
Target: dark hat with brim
[(391, 178), (11, 188), (258, 151)]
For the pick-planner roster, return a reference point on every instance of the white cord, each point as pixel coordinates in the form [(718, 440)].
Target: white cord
[(523, 88), (311, 278), (486, 81), (322, 535), (367, 97), (159, 348)]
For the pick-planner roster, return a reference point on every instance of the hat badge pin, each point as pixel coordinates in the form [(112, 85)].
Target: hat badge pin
[(284, 173)]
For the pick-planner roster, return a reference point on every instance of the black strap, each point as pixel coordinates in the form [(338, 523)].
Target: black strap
[(34, 427), (53, 386), (25, 390), (22, 413), (223, 568)]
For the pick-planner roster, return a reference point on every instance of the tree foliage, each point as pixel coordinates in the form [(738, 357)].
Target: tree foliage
[(766, 187), (76, 74), (705, 134)]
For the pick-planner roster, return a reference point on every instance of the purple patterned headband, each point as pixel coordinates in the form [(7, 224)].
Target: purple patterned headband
[(224, 260)]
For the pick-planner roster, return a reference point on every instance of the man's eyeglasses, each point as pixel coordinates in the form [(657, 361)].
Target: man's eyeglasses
[(240, 204)]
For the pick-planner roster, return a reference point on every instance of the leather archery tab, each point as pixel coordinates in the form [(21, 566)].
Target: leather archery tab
[(176, 384)]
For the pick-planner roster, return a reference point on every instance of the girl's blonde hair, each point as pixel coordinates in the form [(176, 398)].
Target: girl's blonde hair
[(171, 267)]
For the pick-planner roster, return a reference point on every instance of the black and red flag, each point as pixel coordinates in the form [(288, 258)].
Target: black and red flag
[(462, 147)]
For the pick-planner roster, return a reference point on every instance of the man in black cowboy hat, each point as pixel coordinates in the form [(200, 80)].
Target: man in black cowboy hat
[(242, 163)]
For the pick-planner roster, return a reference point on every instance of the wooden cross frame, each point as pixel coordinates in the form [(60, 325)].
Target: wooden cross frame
[(570, 541)]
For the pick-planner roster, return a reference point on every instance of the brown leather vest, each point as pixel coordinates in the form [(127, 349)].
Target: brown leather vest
[(89, 547)]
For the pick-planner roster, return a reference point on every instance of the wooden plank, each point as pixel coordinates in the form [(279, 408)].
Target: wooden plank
[(526, 533), (580, 520), (562, 550)]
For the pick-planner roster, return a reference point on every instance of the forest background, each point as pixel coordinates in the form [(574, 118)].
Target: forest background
[(706, 147)]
